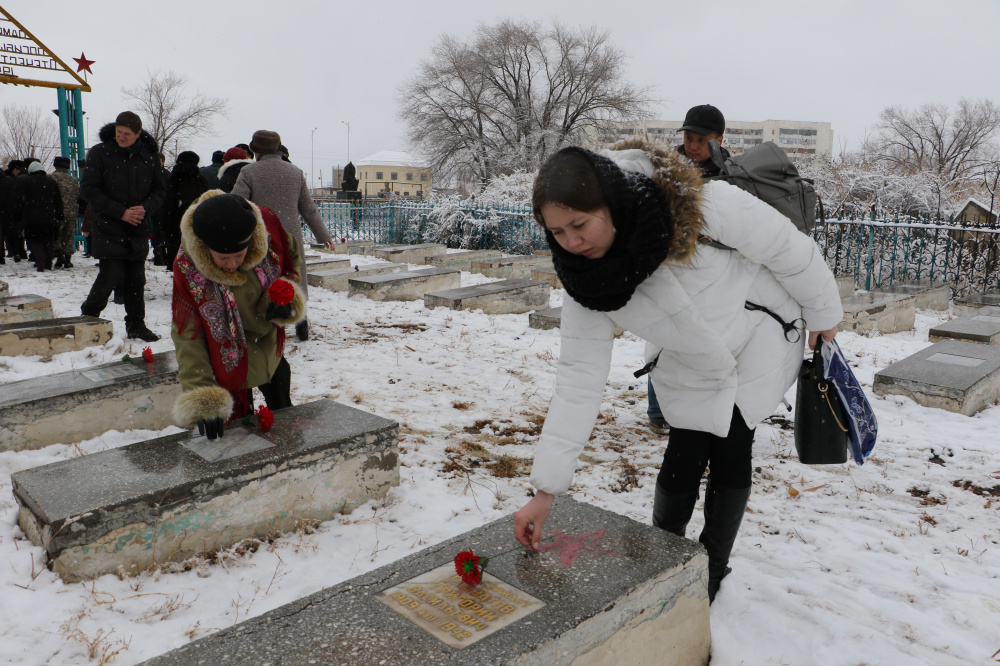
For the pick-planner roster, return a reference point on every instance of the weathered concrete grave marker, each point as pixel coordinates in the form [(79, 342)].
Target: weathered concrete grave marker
[(982, 327), (27, 307), (552, 318), (69, 407), (47, 337), (970, 303), (927, 295), (462, 261), (352, 247), (961, 377), (604, 589), (502, 297), (511, 267), (884, 313), (182, 496), (405, 285), (337, 279), (845, 286), (4, 289), (411, 254), (547, 273), (327, 263)]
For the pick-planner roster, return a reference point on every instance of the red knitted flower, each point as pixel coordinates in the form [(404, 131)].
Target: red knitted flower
[(343, 240), (265, 418), (281, 292), (147, 354), (469, 568)]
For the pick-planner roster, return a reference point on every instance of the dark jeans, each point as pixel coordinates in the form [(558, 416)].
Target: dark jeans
[(42, 253), (15, 243), (132, 275), (653, 410), (689, 452)]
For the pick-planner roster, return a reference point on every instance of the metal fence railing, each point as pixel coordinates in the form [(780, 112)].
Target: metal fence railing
[(877, 252)]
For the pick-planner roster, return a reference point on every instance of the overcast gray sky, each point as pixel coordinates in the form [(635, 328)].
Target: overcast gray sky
[(291, 66)]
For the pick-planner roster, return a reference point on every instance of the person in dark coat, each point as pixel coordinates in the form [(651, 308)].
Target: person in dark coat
[(185, 185), (211, 172), (122, 185), (41, 214), (233, 162), (10, 213)]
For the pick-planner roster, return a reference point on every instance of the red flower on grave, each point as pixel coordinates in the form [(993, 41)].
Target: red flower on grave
[(470, 567), (281, 292), (265, 418), (343, 240), (147, 354)]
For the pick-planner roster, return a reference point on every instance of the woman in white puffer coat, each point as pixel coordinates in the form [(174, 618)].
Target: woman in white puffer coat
[(628, 229)]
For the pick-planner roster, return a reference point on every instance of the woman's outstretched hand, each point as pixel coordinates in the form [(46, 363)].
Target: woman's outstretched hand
[(827, 335), (529, 521)]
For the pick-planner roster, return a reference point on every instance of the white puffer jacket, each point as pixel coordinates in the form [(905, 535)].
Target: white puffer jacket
[(714, 353)]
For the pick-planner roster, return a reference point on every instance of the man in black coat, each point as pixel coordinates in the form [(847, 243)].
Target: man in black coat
[(11, 231), (122, 184), (41, 213), (211, 172)]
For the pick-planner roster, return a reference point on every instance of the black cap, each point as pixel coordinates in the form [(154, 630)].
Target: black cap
[(225, 223), (704, 119), (218, 157), (188, 157), (61, 162)]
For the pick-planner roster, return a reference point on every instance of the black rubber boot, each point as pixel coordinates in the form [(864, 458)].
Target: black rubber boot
[(672, 511), (724, 509), (302, 330)]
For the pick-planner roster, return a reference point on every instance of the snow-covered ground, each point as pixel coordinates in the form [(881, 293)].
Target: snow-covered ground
[(895, 562)]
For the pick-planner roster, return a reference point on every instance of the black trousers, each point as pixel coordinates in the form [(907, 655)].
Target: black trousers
[(132, 275), (277, 392), (689, 452), (43, 253)]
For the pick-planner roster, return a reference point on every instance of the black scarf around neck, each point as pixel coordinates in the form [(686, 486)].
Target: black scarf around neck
[(643, 229)]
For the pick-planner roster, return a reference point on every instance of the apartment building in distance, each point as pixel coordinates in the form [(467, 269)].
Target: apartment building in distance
[(394, 172), (799, 139)]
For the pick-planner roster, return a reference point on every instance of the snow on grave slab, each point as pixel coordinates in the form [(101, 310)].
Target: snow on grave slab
[(884, 313), (603, 589), (411, 254), (961, 377), (69, 407), (552, 318), (511, 267), (502, 297), (53, 336), (927, 295), (336, 280), (326, 264), (352, 247), (27, 307), (547, 273), (462, 261), (983, 327), (182, 496), (972, 302), (405, 285)]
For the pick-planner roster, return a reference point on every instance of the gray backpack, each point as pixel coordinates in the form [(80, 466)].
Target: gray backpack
[(766, 172)]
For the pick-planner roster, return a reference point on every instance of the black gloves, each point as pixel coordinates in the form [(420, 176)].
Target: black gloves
[(211, 428), (278, 311)]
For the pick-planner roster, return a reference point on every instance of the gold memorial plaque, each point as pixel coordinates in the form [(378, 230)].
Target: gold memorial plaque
[(458, 614)]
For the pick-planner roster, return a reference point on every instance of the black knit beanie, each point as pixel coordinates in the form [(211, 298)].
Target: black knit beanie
[(129, 120), (225, 223)]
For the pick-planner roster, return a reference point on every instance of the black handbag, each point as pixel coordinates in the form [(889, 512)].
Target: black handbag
[(821, 432)]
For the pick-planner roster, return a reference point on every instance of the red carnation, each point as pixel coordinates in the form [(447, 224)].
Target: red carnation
[(147, 354), (469, 568), (265, 418), (281, 292), (343, 240)]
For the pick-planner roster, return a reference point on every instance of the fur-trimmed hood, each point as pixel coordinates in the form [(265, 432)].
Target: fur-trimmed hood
[(107, 135), (201, 256), (680, 180), (222, 169)]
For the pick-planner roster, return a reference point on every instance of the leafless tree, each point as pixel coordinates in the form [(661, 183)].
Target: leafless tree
[(513, 93), (953, 144), (27, 132), (169, 114)]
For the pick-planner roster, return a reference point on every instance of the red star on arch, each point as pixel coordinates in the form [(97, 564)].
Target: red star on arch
[(84, 64)]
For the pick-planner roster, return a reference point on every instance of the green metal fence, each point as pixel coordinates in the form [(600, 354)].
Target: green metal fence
[(877, 252)]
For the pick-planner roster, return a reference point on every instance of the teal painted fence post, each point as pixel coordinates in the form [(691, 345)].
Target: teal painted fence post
[(871, 249)]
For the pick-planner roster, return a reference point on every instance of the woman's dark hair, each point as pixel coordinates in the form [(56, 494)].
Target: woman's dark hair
[(566, 179)]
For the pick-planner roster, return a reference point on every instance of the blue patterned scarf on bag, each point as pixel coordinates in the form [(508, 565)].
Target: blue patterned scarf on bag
[(860, 418)]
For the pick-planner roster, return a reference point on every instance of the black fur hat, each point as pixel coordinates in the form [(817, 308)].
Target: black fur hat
[(188, 157), (225, 223)]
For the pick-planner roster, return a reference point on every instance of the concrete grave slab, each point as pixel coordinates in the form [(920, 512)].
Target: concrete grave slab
[(352, 247), (53, 336), (69, 407), (552, 318), (511, 267), (319, 247), (961, 377), (502, 297), (884, 313), (462, 261), (412, 254), (4, 289), (336, 280), (845, 285), (982, 327), (604, 589), (181, 496), (405, 285), (544, 252), (373, 250), (927, 295), (972, 302), (548, 274), (327, 263), (28, 307)]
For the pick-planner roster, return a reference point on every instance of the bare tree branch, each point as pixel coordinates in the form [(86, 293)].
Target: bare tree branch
[(27, 132)]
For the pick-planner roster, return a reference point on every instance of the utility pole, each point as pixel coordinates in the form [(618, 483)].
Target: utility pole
[(344, 122), (312, 158)]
